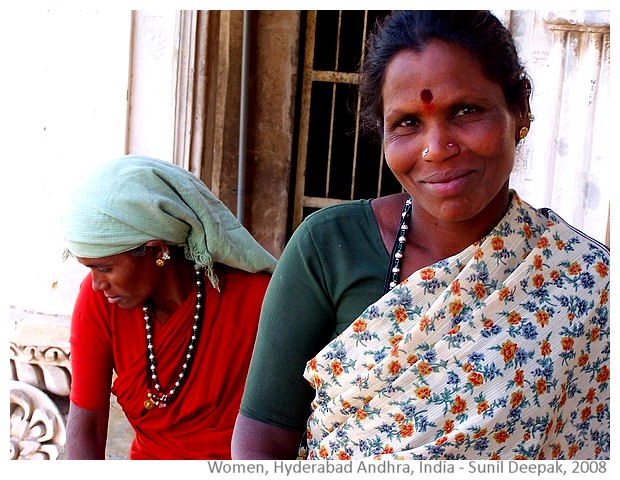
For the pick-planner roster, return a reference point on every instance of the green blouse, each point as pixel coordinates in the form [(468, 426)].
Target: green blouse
[(333, 267)]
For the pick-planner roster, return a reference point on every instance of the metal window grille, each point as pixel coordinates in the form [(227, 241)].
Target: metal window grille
[(335, 162)]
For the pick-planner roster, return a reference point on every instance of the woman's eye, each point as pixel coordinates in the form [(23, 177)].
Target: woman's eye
[(408, 123), (465, 111)]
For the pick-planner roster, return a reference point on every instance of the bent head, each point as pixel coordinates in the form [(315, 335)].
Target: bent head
[(128, 279)]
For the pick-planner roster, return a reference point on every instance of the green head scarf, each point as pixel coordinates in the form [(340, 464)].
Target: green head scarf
[(134, 199)]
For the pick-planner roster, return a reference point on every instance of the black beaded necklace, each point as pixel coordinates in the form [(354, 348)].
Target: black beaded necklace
[(393, 274), (158, 398)]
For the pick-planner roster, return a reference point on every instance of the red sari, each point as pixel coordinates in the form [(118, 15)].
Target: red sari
[(198, 423)]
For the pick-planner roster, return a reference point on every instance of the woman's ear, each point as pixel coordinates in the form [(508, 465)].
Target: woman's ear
[(524, 115), (161, 248)]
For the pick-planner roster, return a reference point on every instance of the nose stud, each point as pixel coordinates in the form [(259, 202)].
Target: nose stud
[(426, 151)]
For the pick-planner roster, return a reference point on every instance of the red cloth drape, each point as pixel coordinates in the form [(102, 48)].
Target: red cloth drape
[(198, 424)]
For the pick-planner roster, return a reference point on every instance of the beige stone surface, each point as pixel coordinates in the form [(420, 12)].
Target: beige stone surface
[(120, 434)]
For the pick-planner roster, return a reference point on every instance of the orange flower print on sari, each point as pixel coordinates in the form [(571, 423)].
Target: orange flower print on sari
[(455, 287), (423, 392), (519, 377), (541, 386), (458, 405), (424, 323), (316, 382), (359, 325), (509, 350), (468, 367), (504, 293), (406, 430), (455, 307), (572, 450), (501, 436), (604, 297), (448, 426), (479, 290), (387, 449), (538, 262), (538, 281), (400, 314), (586, 412), (567, 343), (601, 269), (591, 395), (323, 452), (603, 374), (574, 269), (476, 379), (394, 367), (342, 455), (514, 318), (425, 368), (516, 398), (595, 334), (542, 317), (497, 243), (312, 364), (427, 274), (336, 368)]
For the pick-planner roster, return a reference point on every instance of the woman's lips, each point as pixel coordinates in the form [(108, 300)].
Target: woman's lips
[(113, 299), (448, 183)]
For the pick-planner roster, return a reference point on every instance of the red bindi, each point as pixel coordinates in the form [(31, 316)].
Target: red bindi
[(426, 95)]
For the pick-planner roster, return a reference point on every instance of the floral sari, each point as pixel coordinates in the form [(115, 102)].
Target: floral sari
[(499, 352)]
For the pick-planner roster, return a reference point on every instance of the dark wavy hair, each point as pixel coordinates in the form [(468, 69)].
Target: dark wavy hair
[(478, 31)]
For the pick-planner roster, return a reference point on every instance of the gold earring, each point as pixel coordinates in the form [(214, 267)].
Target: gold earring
[(160, 262), (523, 132)]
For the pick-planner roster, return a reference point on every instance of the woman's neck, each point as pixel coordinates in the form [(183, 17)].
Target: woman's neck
[(176, 284)]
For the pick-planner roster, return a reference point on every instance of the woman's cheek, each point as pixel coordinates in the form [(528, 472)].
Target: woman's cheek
[(400, 154)]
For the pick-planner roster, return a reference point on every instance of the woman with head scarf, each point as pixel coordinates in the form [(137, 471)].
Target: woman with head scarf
[(166, 318), (453, 320)]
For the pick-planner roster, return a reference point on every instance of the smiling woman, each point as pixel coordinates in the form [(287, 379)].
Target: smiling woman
[(454, 320), (175, 282)]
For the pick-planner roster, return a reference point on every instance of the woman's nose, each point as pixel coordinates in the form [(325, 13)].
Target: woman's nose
[(439, 145), (98, 283)]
